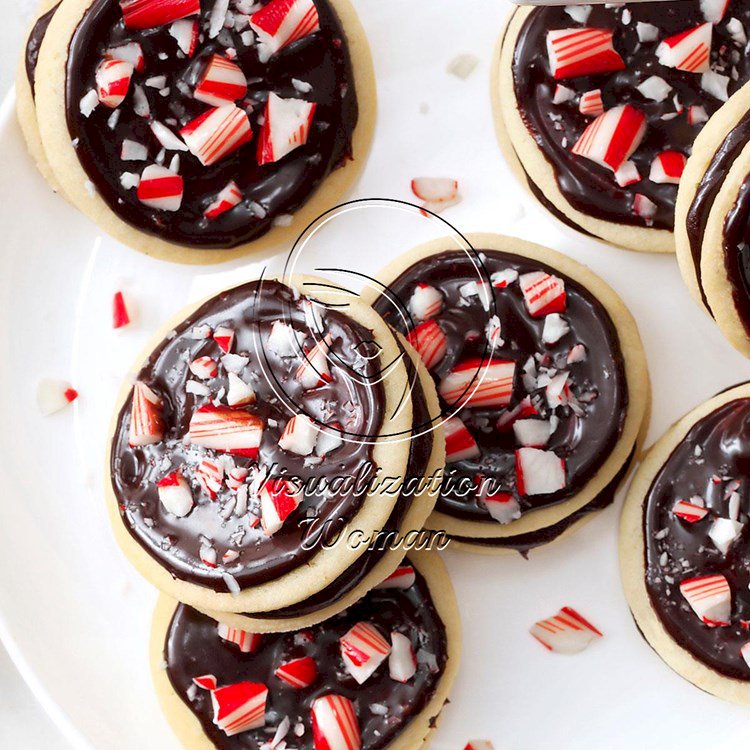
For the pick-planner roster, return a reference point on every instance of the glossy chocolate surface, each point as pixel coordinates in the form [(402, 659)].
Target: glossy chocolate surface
[(556, 127), (737, 252), (715, 451), (34, 43), (193, 648), (354, 400), (269, 191)]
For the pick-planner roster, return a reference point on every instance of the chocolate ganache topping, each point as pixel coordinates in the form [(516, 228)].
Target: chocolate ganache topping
[(383, 706), (737, 252), (220, 102), (553, 397), (34, 42), (192, 447), (695, 527), (675, 102)]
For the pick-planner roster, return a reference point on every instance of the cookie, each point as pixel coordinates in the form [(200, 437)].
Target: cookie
[(382, 561), (196, 133), (607, 102), (683, 549), (307, 684), (245, 448), (532, 355)]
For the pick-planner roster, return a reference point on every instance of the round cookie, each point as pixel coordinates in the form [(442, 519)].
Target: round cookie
[(482, 439), (683, 546), (222, 176), (427, 459), (192, 448), (427, 609), (546, 125)]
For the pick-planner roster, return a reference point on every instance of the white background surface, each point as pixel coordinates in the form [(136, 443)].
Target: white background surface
[(75, 613)]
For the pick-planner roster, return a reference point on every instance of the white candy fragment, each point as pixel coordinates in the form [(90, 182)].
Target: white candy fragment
[(655, 88), (724, 532), (555, 327)]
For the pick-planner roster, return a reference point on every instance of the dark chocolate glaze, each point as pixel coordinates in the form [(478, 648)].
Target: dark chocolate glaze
[(588, 187), (193, 648), (585, 442), (34, 44), (716, 446), (355, 403), (737, 252), (320, 59)]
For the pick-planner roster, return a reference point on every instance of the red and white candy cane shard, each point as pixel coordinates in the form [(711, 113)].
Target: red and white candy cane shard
[(224, 337), (120, 317), (314, 370), (222, 82), (697, 115), (710, 598), (278, 500), (131, 52), (402, 663), (299, 673), (591, 103), (113, 82), (206, 681), (425, 302), (402, 578), (363, 650), (299, 436), (54, 395), (565, 633), (479, 745), (186, 33), (611, 139), (175, 494), (478, 383), (236, 477), (627, 174), (582, 52), (217, 133), (459, 442), (667, 167), (689, 50), (644, 207), (210, 476), (239, 707), (539, 472), (286, 126), (160, 188), (148, 14), (334, 724), (503, 279), (502, 506), (222, 428), (543, 293), (226, 200), (435, 189), (430, 342), (146, 422), (282, 22), (714, 10), (204, 368), (689, 512), (246, 641)]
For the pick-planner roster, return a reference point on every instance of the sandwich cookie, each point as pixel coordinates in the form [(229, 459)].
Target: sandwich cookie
[(197, 130), (244, 450), (375, 676), (601, 105), (683, 546), (542, 381)]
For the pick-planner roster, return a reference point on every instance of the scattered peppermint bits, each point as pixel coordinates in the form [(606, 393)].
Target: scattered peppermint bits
[(567, 632), (54, 395), (436, 193)]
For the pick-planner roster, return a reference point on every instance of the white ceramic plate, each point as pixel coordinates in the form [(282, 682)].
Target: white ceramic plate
[(73, 614)]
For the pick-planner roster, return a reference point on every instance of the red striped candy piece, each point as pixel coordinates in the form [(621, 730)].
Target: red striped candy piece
[(425, 302), (299, 673), (146, 422), (246, 642), (479, 383), (54, 395), (278, 500), (689, 50), (226, 200), (502, 506), (282, 22), (224, 337), (539, 472), (644, 207), (503, 279), (236, 477), (697, 115), (186, 32), (525, 409), (314, 370), (582, 52), (217, 133), (667, 167), (222, 82), (160, 188), (334, 724), (239, 707), (435, 189), (225, 429), (430, 342), (206, 681), (591, 103), (286, 126), (210, 476), (459, 442), (204, 368), (690, 512), (402, 578), (565, 633), (543, 293), (131, 52), (479, 745), (611, 139), (147, 14), (627, 174), (402, 663), (120, 317), (299, 436), (714, 10), (113, 82), (710, 598), (175, 494), (363, 650)]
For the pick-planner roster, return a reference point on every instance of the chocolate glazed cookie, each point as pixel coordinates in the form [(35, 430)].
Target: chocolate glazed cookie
[(192, 131), (609, 101), (396, 706), (542, 424)]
